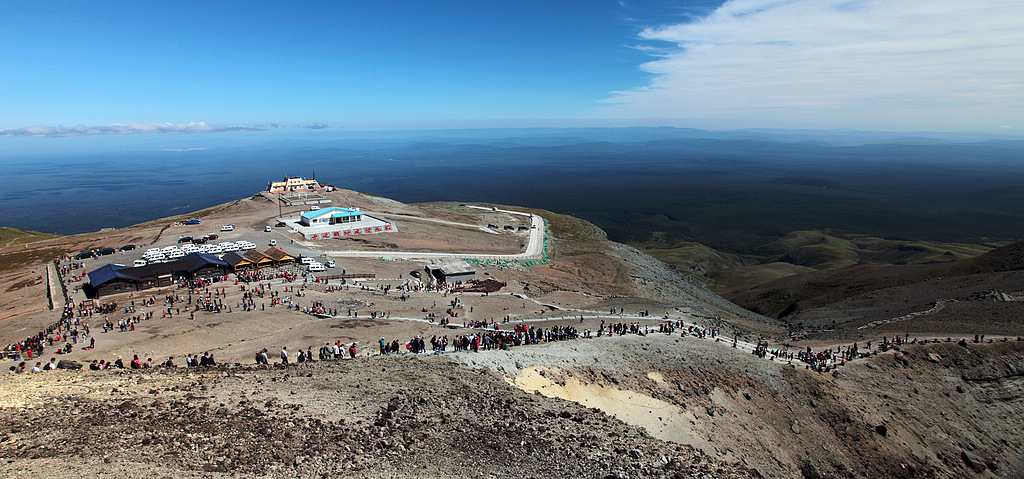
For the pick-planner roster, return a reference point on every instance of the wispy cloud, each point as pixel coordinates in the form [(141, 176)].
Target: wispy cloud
[(315, 126), (907, 64), (123, 129)]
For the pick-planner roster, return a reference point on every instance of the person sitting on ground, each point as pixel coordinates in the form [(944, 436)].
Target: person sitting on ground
[(148, 364), (50, 366), (37, 368), (94, 366), (135, 364), (169, 363)]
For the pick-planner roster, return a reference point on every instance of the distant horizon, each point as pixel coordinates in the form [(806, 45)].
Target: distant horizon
[(184, 129)]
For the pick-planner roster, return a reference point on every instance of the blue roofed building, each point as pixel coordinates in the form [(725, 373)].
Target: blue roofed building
[(331, 216), (337, 223)]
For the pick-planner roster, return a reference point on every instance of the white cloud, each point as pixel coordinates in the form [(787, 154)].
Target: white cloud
[(873, 64), (122, 129)]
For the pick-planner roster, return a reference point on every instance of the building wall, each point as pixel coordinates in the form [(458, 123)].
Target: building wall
[(293, 184), (116, 286)]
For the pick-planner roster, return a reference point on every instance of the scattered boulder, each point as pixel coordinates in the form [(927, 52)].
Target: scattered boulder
[(972, 461), (68, 364), (809, 471), (882, 430)]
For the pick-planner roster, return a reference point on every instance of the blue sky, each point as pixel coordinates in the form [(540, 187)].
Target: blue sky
[(944, 65)]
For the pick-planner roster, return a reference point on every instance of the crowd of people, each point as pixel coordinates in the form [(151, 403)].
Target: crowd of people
[(72, 328)]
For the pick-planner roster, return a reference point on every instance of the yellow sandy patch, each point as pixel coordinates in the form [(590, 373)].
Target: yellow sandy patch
[(661, 419)]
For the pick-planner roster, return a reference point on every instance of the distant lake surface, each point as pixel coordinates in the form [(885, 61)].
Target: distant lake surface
[(723, 192)]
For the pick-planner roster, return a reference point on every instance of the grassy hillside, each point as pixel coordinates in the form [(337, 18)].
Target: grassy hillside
[(777, 297), (804, 252), (15, 237)]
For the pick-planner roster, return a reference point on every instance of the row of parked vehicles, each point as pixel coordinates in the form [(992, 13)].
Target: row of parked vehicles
[(171, 253), (92, 253), (198, 240), (314, 266)]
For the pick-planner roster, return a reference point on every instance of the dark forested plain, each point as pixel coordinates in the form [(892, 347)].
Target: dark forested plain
[(654, 188)]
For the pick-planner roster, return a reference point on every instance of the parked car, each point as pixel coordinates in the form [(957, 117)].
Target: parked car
[(268, 229), (415, 273), (193, 221), (184, 239), (280, 224), (106, 251), (273, 242), (127, 247), (198, 240), (211, 236), (330, 263), (139, 262), (85, 254), (227, 228)]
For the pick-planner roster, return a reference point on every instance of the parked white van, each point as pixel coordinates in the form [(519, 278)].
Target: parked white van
[(315, 267), (139, 262), (227, 228), (307, 260)]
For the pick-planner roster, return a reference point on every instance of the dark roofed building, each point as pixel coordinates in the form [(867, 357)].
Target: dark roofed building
[(450, 271), (111, 279)]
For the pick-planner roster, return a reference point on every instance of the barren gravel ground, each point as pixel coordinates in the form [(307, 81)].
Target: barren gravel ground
[(375, 417), (919, 412)]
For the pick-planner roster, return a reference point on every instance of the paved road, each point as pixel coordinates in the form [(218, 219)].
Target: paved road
[(534, 247)]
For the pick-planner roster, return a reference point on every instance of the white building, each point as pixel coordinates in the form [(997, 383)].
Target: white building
[(335, 222)]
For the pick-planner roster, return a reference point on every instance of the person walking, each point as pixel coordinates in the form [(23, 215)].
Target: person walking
[(284, 355)]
